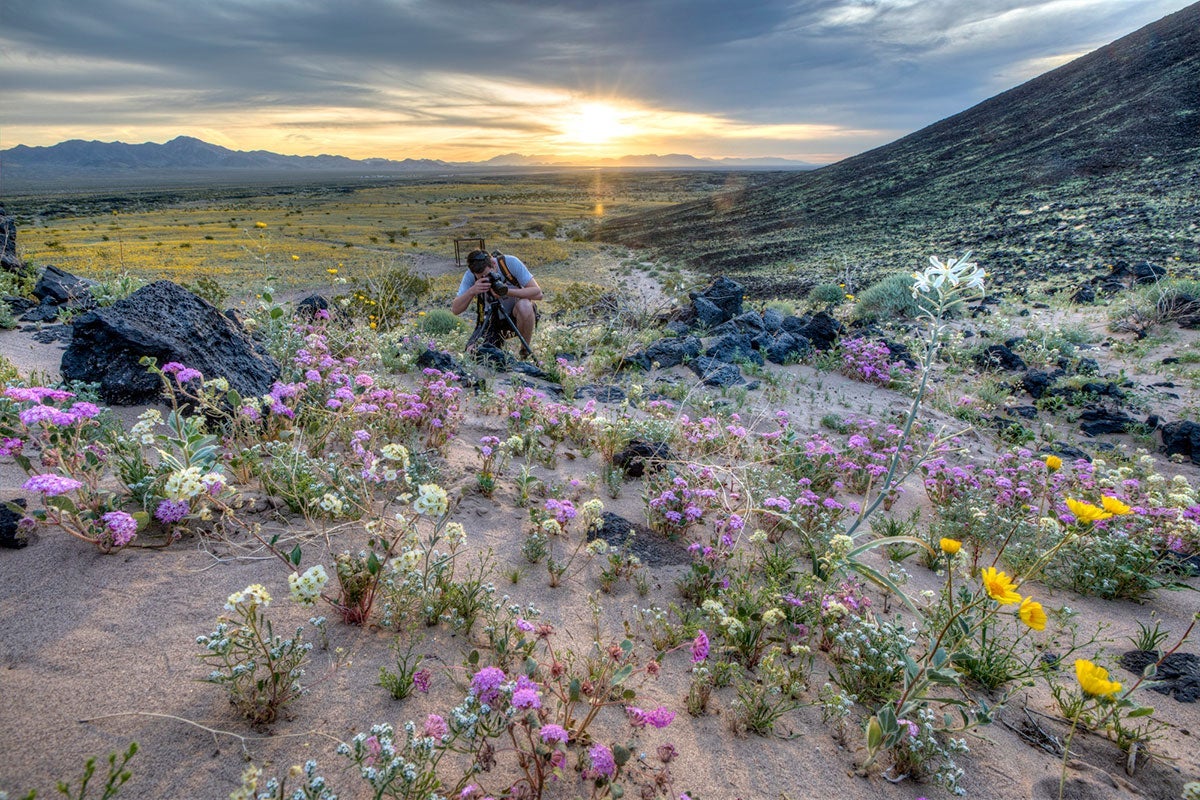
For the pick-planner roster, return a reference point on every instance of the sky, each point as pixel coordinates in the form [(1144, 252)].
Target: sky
[(466, 80)]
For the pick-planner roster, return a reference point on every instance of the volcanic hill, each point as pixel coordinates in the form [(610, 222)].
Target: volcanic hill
[(1095, 162)]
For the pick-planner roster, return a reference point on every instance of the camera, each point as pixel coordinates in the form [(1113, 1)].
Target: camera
[(499, 285)]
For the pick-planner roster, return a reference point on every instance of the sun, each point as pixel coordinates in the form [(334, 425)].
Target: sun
[(594, 123)]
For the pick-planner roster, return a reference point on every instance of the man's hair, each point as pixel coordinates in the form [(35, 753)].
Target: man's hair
[(477, 260)]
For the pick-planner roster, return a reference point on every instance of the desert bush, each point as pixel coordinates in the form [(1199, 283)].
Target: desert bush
[(384, 301), (825, 294), (107, 292), (892, 298), (439, 322)]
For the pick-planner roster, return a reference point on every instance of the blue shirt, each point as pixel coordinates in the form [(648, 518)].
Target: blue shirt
[(515, 266)]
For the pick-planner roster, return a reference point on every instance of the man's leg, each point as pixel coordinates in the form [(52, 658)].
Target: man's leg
[(525, 318)]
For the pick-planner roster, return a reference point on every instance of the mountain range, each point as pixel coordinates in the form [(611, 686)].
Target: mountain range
[(1094, 162), (188, 153)]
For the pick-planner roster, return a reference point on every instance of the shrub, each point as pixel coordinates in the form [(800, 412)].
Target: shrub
[(891, 298), (825, 293), (440, 322)]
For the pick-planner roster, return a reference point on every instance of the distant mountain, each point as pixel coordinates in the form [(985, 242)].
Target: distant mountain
[(187, 153), (1096, 161)]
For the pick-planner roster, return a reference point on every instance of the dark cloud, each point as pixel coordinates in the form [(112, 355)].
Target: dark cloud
[(866, 64)]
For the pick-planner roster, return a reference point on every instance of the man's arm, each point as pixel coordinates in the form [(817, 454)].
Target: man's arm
[(530, 291), (463, 300)]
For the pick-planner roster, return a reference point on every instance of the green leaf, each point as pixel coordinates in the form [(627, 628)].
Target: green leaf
[(622, 674), (473, 658), (62, 503), (373, 564), (1144, 711), (573, 690), (295, 556), (621, 755)]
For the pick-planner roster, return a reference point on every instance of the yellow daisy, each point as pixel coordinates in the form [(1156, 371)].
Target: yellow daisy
[(1053, 463), (1094, 680), (950, 546), (1086, 512), (1032, 614), (1115, 506), (1000, 587)]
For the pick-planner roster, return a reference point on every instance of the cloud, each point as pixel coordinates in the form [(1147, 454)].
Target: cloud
[(822, 76)]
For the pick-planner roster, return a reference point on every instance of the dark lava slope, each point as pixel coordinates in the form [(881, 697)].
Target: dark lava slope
[(1094, 162)]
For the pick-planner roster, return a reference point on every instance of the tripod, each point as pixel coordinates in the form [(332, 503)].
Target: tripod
[(490, 331)]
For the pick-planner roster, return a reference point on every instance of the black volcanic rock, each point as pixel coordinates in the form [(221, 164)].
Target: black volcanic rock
[(9, 260), (59, 287), (999, 356), (169, 323), (1182, 438)]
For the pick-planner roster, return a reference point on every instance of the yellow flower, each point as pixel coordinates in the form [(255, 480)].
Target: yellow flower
[(260, 224), (1000, 587), (1086, 512), (295, 257), (332, 270), (950, 546), (1115, 506), (420, 313), (1094, 680), (1053, 463), (1032, 614)]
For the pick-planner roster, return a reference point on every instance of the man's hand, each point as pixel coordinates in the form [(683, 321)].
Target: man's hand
[(482, 285)]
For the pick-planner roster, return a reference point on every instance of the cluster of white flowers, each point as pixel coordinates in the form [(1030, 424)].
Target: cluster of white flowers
[(143, 429), (772, 617), (456, 534), (306, 588), (332, 504), (253, 595), (396, 452), (596, 547), (217, 384), (431, 500), (406, 562), (948, 275), (592, 514), (186, 483)]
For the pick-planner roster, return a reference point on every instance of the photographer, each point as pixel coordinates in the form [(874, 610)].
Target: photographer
[(516, 290)]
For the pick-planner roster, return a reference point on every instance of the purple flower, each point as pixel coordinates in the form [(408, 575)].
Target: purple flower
[(486, 684), (700, 647), (51, 485), (188, 374), (436, 727), (526, 698), (660, 717), (554, 733), (421, 679), (171, 511), (85, 410), (524, 625), (121, 526), (604, 765), (10, 446), (171, 367), (50, 414)]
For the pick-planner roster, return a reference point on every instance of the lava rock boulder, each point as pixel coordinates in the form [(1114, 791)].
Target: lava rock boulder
[(169, 323)]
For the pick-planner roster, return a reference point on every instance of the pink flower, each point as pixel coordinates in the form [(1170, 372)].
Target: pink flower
[(51, 485), (604, 764), (121, 526), (554, 733), (486, 684), (436, 727), (700, 647)]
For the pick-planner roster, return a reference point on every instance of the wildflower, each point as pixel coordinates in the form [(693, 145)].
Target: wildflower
[(1086, 512), (772, 617), (1032, 614), (431, 500), (1053, 463), (332, 270), (121, 526), (553, 733), (700, 647), (51, 485), (604, 765), (486, 684), (526, 698), (456, 534), (421, 679), (436, 727), (950, 546), (260, 224), (252, 595), (171, 511), (1114, 506), (295, 257), (306, 588), (1000, 587), (10, 446), (524, 625), (1094, 680)]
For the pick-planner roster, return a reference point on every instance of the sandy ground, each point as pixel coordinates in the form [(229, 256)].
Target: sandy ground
[(99, 650)]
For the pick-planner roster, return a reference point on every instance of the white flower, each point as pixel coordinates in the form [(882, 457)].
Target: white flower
[(431, 500), (306, 588)]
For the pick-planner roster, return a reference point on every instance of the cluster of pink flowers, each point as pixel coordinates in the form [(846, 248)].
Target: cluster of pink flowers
[(659, 717), (684, 501), (51, 485), (182, 374), (870, 361), (120, 527)]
